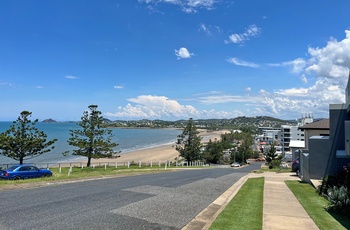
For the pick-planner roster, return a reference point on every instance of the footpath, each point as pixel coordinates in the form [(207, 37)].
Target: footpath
[(281, 209)]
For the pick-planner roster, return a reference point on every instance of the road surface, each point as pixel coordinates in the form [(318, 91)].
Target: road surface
[(166, 200)]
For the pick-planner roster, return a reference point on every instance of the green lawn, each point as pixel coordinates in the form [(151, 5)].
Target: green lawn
[(86, 172), (245, 211), (315, 206)]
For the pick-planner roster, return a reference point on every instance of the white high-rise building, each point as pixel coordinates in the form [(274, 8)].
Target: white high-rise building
[(292, 133)]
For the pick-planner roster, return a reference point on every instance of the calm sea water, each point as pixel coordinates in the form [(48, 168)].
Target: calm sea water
[(128, 140)]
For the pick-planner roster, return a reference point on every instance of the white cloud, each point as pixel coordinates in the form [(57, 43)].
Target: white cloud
[(239, 62), (205, 29), (329, 66), (118, 87), (187, 6), (161, 107), (303, 78), (209, 29), (183, 53), (297, 65), (331, 61), (221, 98), (71, 77), (315, 99), (251, 31), (6, 84)]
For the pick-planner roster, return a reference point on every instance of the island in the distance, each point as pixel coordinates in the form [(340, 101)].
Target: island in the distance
[(49, 121)]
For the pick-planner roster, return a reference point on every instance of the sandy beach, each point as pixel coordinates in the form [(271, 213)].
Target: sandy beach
[(159, 153)]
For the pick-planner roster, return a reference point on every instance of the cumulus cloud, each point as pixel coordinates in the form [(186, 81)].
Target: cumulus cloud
[(161, 107), (328, 66), (251, 31), (331, 61), (183, 53), (324, 73), (315, 99), (239, 62)]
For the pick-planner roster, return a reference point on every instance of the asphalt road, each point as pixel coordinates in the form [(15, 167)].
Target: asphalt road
[(154, 201)]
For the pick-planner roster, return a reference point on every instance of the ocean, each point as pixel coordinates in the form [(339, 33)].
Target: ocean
[(129, 139)]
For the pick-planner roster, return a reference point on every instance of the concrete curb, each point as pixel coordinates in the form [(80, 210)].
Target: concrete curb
[(206, 217)]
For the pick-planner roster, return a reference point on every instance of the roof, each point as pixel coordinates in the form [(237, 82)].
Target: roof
[(321, 124), (298, 144)]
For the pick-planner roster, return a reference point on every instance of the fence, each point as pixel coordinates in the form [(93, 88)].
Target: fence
[(115, 164)]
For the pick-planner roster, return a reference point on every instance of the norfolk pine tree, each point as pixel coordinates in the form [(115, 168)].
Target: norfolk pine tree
[(93, 140), (23, 139), (189, 142)]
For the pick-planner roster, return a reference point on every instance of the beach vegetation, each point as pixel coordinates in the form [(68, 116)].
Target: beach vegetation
[(23, 140), (189, 142), (93, 140), (245, 210)]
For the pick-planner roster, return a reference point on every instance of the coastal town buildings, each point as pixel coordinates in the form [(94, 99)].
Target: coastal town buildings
[(293, 135)]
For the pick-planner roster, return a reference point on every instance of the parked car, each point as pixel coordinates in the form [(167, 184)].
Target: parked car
[(23, 171), (236, 164), (295, 165)]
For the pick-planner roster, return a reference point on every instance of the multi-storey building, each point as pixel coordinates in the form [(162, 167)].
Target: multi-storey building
[(293, 133)]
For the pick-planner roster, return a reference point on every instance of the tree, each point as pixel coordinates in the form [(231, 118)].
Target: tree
[(189, 142), (213, 151), (23, 139), (273, 160), (93, 140)]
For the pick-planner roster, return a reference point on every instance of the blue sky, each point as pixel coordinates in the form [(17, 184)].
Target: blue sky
[(173, 59)]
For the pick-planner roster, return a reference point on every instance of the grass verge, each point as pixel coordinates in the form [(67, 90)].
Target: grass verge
[(315, 205), (82, 173), (245, 211), (266, 168)]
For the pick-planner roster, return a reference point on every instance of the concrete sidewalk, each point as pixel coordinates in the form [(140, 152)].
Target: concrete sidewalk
[(281, 209)]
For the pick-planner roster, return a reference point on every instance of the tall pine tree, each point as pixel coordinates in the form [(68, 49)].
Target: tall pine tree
[(93, 140), (189, 142), (23, 139)]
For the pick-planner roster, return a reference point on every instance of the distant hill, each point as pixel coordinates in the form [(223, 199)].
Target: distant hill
[(251, 123)]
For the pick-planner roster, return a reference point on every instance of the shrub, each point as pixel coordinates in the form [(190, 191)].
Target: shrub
[(336, 189), (339, 199)]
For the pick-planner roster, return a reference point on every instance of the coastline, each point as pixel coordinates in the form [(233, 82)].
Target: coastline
[(161, 153)]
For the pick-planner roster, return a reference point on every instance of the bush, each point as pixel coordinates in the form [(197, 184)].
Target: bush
[(339, 199), (336, 189)]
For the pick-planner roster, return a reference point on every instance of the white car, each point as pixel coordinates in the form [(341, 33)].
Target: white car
[(235, 164)]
